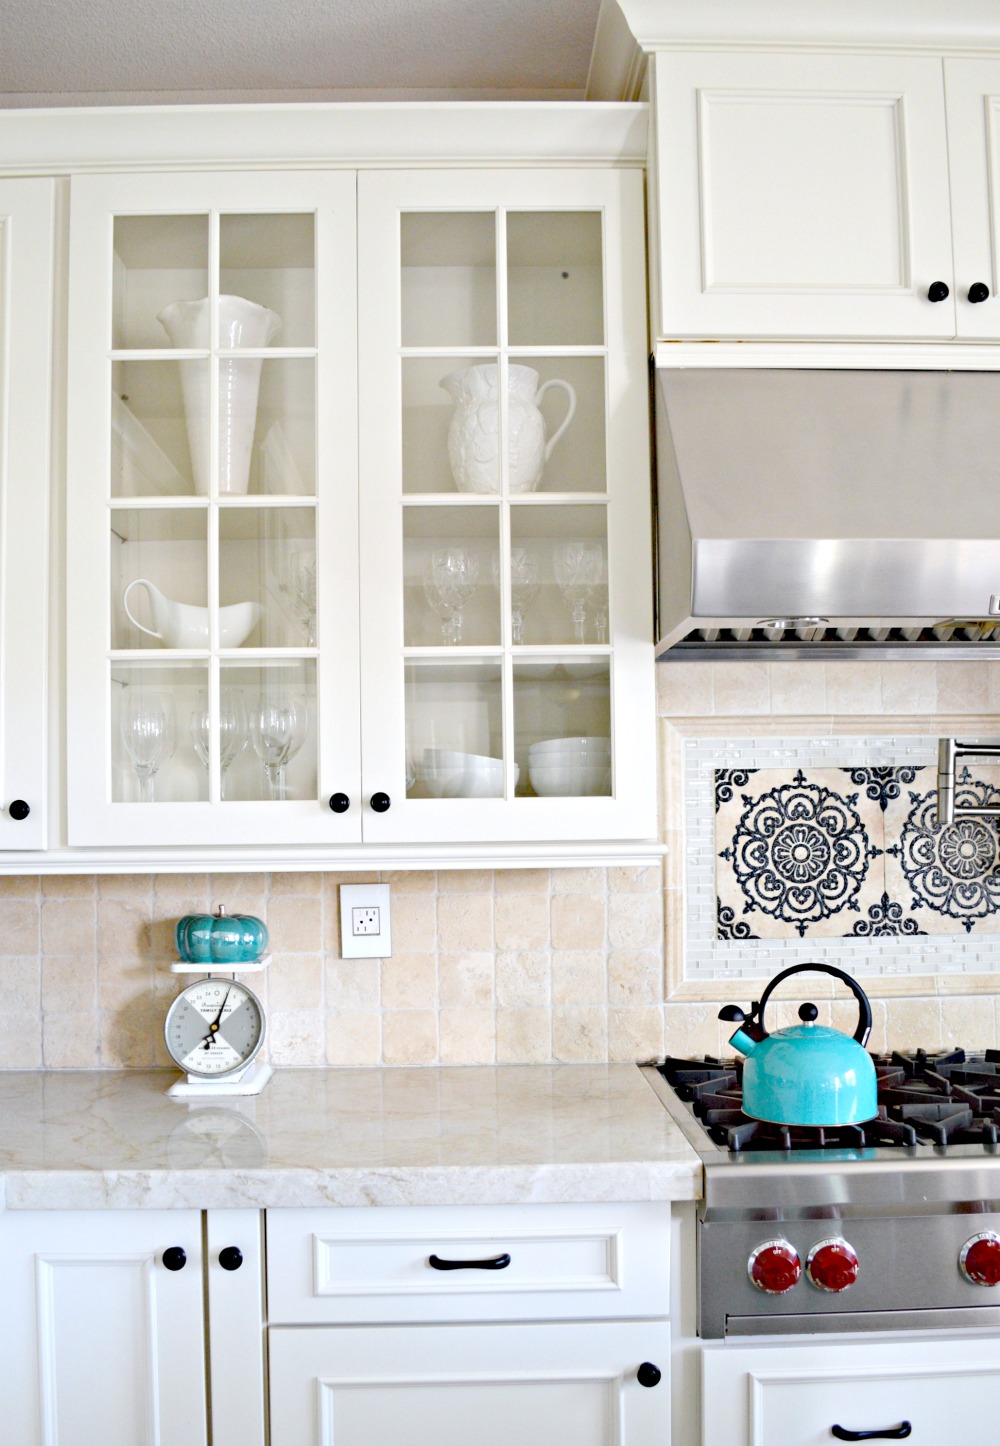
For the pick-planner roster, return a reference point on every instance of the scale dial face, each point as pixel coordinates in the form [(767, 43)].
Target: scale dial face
[(214, 1027)]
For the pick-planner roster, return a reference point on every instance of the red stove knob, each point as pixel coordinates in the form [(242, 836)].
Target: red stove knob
[(832, 1264), (979, 1260), (774, 1267)]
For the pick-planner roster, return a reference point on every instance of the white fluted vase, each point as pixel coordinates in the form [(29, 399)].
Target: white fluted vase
[(242, 323)]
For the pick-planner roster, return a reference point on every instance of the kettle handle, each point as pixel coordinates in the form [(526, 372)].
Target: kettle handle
[(864, 1028)]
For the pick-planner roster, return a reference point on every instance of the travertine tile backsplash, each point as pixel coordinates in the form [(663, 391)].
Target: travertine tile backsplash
[(511, 966)]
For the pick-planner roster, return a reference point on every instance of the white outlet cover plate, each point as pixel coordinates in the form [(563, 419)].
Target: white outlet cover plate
[(365, 946)]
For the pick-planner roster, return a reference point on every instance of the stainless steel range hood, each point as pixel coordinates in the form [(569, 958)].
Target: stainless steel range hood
[(828, 513)]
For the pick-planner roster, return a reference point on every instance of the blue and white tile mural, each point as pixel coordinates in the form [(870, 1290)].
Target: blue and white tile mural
[(854, 852)]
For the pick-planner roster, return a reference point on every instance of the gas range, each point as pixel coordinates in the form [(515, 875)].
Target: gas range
[(894, 1224)]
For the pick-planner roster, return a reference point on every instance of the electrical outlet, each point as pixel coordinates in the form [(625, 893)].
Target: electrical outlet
[(365, 921), (365, 925)]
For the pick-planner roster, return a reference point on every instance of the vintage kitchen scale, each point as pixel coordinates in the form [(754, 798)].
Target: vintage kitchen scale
[(215, 1027)]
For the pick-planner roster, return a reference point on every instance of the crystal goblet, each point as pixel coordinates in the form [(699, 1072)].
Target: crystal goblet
[(577, 568), (277, 731), (147, 729), (450, 579), (524, 586), (233, 731)]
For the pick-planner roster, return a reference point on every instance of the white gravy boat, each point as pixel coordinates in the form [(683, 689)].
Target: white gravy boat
[(185, 625)]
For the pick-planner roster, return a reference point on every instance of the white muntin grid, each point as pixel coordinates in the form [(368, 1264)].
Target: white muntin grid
[(707, 957)]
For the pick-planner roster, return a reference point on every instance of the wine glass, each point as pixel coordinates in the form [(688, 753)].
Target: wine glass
[(524, 586), (302, 591), (233, 731), (146, 727), (277, 732), (450, 579), (577, 568)]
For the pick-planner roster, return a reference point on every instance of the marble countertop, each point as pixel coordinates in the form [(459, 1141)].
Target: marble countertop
[(453, 1136)]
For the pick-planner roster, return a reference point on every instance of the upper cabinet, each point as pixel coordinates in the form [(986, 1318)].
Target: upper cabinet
[(504, 506), (831, 196), (358, 510), (212, 658), (26, 249)]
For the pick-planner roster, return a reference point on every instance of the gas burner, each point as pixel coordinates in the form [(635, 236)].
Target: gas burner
[(939, 1098)]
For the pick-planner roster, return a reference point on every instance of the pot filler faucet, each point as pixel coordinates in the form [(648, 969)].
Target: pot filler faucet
[(949, 753)]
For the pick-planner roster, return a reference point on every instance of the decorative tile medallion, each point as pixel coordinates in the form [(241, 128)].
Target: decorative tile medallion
[(799, 853), (852, 852)]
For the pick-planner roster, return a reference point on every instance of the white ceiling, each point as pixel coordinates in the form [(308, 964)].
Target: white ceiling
[(121, 51)]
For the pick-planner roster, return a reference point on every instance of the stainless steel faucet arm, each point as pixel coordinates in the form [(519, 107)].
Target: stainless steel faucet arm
[(950, 751)]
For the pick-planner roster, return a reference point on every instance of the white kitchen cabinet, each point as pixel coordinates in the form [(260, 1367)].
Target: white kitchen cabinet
[(826, 196), (26, 252), (451, 1385), (441, 1325), (104, 1329), (504, 506), (781, 1393), (244, 666), (212, 661)]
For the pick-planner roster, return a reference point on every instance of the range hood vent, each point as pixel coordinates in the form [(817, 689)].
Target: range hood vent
[(828, 514)]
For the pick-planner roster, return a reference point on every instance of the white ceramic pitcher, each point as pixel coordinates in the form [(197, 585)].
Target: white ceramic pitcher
[(185, 625), (242, 323), (474, 433)]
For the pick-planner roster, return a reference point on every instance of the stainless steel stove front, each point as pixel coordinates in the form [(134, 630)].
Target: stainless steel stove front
[(906, 1213)]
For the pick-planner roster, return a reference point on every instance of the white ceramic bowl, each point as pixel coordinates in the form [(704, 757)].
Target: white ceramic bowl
[(570, 780), (570, 745), (448, 774)]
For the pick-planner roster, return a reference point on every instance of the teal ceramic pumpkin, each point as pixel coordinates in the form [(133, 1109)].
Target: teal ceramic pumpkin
[(221, 938)]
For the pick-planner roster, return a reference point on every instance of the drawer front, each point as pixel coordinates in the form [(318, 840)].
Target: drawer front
[(549, 1261), (784, 1395)]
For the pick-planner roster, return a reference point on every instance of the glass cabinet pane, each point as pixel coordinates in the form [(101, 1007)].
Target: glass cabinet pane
[(555, 278), (556, 422), (562, 728), (159, 261), (279, 702), (154, 756), (450, 592), (448, 284), (450, 425), (151, 448), (159, 578), (270, 260), (267, 568), (561, 552), (454, 730)]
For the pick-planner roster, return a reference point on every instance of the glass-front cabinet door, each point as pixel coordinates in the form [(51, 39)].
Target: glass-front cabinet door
[(26, 244), (507, 669), (212, 495)]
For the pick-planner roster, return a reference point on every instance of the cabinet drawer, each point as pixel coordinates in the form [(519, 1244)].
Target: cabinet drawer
[(784, 1395), (565, 1261)]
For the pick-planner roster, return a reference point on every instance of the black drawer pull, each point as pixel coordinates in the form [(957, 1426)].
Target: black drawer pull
[(891, 1433), (496, 1262)]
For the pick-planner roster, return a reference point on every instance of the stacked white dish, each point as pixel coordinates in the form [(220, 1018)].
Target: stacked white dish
[(446, 773), (570, 767)]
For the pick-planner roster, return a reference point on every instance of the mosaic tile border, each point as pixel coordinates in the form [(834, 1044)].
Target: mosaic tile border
[(707, 958)]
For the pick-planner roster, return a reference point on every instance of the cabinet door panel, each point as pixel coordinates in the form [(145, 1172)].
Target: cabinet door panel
[(973, 95), (212, 510), (504, 510), (782, 1395), (801, 196), (100, 1341), (26, 221), (448, 1386)]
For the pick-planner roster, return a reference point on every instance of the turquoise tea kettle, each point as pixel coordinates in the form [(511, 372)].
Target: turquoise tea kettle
[(806, 1074)]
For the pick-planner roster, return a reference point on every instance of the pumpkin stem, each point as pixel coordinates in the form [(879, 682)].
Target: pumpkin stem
[(220, 911)]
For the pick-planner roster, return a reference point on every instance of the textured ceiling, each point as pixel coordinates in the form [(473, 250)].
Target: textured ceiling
[(104, 50)]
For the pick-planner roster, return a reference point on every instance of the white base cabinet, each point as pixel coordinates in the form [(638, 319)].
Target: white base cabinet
[(784, 1394), (451, 1385), (103, 1334)]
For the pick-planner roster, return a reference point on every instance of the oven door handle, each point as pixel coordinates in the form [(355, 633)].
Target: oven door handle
[(891, 1433)]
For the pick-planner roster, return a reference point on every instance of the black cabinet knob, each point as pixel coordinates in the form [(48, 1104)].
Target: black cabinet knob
[(938, 291), (339, 802), (231, 1257), (18, 809), (174, 1258), (979, 291), (380, 802), (648, 1374)]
